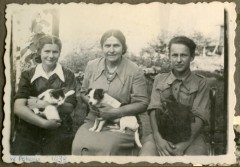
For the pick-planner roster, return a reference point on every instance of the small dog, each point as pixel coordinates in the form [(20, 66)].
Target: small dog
[(97, 97), (55, 98), (174, 120)]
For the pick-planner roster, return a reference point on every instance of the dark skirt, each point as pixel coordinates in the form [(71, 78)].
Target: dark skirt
[(32, 140)]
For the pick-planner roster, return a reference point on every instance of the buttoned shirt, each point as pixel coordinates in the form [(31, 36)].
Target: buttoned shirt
[(128, 85), (191, 91)]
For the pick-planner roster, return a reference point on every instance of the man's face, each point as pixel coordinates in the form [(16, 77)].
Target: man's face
[(180, 57)]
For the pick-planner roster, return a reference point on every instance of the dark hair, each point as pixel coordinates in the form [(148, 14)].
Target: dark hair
[(117, 34), (185, 41), (46, 39)]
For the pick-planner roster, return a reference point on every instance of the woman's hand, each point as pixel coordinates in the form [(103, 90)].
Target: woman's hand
[(164, 147), (34, 102), (51, 124), (107, 112)]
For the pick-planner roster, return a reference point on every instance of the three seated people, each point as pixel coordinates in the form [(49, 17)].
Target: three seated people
[(178, 109)]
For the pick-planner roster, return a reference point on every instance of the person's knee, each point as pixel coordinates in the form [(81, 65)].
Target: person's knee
[(78, 139), (148, 149), (198, 147), (76, 147), (79, 151), (112, 146), (196, 151)]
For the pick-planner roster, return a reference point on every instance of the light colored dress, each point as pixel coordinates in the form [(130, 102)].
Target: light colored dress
[(128, 86)]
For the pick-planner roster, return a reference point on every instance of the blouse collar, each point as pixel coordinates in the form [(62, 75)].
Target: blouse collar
[(39, 72), (120, 70)]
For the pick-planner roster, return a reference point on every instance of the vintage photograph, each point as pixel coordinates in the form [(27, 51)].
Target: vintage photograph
[(88, 82)]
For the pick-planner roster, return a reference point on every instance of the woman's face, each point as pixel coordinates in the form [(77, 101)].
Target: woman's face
[(112, 49), (50, 54)]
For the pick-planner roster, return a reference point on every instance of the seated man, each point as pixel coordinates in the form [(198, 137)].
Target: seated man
[(179, 106)]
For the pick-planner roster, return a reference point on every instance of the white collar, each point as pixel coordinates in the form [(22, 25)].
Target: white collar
[(39, 72)]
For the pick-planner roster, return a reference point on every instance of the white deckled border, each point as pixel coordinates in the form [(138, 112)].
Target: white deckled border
[(7, 91), (229, 158)]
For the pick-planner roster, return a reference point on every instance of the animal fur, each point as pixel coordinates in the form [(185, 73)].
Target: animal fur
[(55, 98), (174, 121), (97, 97)]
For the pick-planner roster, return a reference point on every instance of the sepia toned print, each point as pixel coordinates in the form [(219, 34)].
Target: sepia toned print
[(158, 60)]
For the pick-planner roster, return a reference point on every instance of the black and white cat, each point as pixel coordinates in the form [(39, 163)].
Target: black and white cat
[(55, 98)]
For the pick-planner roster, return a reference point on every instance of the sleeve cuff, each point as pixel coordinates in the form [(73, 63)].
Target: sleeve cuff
[(144, 101), (152, 107)]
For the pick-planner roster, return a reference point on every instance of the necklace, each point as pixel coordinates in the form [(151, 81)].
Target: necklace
[(111, 73)]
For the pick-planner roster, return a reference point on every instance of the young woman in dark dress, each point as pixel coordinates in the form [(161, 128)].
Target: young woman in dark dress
[(35, 134)]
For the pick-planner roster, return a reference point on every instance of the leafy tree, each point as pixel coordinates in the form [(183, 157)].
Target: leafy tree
[(201, 42), (79, 57)]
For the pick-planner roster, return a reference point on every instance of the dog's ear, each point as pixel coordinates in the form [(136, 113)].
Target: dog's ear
[(43, 94), (99, 93), (88, 91), (42, 97), (57, 92)]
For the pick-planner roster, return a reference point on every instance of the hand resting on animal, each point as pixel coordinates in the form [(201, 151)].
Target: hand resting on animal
[(51, 99), (98, 97)]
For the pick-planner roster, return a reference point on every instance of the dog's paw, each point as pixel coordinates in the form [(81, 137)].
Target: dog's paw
[(116, 127), (115, 130), (91, 129)]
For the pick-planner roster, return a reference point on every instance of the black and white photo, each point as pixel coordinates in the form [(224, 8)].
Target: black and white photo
[(119, 83)]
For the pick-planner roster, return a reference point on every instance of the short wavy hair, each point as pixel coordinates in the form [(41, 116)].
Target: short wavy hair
[(117, 34), (185, 41)]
